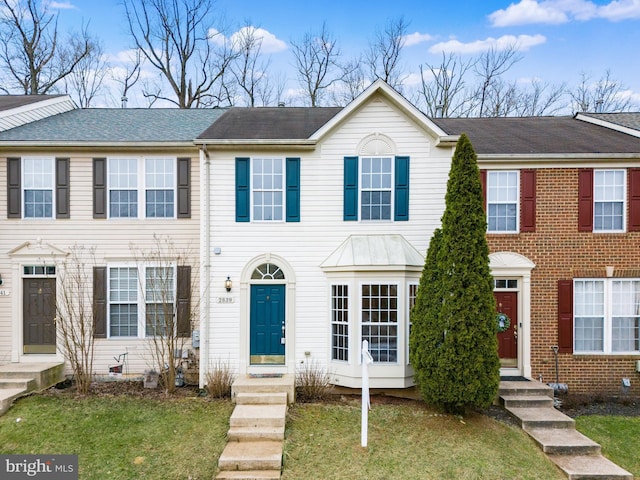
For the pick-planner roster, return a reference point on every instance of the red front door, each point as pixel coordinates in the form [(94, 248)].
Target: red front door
[(507, 303)]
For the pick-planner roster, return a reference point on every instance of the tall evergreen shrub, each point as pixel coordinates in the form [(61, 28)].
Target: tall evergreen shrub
[(454, 339)]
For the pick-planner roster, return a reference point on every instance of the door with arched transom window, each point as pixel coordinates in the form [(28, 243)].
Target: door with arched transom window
[(267, 316)]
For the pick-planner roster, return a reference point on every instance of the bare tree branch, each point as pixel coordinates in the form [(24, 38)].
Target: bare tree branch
[(32, 59), (177, 37), (250, 74), (604, 95), (489, 67), (316, 57), (383, 54), (442, 87), (85, 82)]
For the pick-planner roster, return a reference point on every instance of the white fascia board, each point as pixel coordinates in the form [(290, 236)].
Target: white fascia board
[(394, 97)]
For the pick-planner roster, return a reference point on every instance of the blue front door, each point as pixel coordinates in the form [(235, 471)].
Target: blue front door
[(267, 324)]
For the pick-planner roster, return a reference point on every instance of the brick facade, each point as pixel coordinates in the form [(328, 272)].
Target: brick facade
[(561, 252)]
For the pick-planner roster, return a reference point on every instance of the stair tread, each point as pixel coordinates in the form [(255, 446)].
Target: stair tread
[(589, 466), (539, 414), (560, 436), (6, 393), (248, 475), (259, 411)]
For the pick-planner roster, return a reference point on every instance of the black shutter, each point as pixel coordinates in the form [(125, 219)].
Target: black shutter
[(184, 188), (14, 188), (99, 188), (62, 188), (183, 299), (100, 302)]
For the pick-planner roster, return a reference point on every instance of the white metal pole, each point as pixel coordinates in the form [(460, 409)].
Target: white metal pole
[(367, 359)]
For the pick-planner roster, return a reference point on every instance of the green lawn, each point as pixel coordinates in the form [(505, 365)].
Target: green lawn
[(132, 437), (407, 442), (618, 436), (121, 437)]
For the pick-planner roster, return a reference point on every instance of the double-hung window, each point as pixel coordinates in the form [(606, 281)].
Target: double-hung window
[(609, 194), (376, 190), (133, 187), (502, 201), (130, 301), (267, 189), (379, 321), (607, 315), (38, 187)]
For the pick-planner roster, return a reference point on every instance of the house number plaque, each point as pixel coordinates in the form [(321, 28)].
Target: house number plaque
[(4, 293), (225, 300)]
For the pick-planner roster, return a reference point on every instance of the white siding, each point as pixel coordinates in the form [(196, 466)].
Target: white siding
[(113, 240), (305, 245), (34, 111)]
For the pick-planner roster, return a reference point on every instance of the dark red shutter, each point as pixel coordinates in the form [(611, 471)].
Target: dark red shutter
[(527, 200), (585, 200), (100, 302), (565, 316), (183, 298), (634, 199), (483, 181), (14, 188)]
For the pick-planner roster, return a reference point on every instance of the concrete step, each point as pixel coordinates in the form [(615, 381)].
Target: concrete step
[(563, 441), (258, 416), (257, 398), (251, 456), (44, 374), (7, 396), (249, 475), (532, 387), (526, 401), (266, 384), (252, 434), (541, 418), (590, 467), (27, 384)]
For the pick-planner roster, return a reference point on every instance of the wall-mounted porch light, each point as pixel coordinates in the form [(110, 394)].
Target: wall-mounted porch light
[(228, 284)]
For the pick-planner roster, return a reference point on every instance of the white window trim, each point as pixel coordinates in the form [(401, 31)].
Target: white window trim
[(517, 202), (408, 317), (141, 187), (608, 318), (141, 300), (23, 187), (398, 323), (391, 189), (624, 200), (282, 189), (349, 322)]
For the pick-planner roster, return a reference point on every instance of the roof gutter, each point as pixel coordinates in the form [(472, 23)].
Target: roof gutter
[(296, 144)]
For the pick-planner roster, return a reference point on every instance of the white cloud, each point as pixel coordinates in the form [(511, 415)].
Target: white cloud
[(62, 5), (551, 12), (416, 38), (270, 43), (216, 37), (521, 43)]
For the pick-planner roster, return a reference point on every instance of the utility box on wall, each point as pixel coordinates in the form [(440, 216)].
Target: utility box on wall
[(638, 366), (195, 339)]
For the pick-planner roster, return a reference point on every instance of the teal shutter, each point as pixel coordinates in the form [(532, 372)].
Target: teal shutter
[(243, 190), (293, 189), (402, 189), (350, 189)]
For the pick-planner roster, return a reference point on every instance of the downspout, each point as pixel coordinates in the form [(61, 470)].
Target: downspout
[(205, 244)]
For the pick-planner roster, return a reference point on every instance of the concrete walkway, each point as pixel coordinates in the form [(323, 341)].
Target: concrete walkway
[(256, 434), (576, 455)]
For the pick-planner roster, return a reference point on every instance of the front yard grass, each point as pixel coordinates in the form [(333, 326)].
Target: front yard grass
[(133, 437), (121, 437), (407, 441), (618, 436)]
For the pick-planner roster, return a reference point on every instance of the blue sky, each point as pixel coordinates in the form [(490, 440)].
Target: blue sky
[(558, 39)]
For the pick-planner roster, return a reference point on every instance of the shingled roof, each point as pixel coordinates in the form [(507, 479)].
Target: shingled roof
[(624, 119), (538, 136), (269, 123), (116, 125), (7, 102)]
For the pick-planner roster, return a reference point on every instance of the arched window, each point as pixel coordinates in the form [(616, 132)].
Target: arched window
[(267, 271)]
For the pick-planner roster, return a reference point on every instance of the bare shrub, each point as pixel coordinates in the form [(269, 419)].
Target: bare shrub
[(312, 382), (219, 379)]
